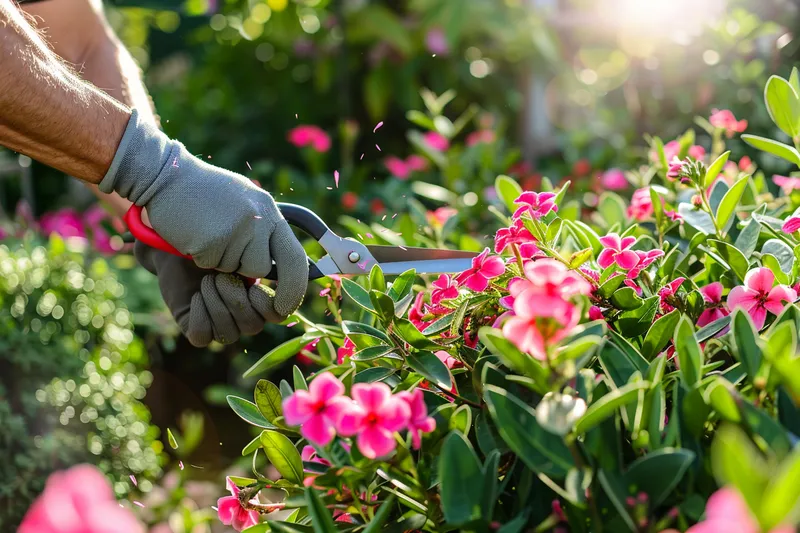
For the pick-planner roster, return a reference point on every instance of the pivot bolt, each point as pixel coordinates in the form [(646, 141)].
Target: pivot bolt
[(354, 257)]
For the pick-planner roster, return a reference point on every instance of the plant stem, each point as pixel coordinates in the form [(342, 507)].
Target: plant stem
[(455, 396), (707, 205)]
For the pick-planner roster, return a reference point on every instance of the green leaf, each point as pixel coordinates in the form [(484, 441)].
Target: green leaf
[(709, 330), (637, 321), (747, 350), (376, 280), (268, 400), (729, 202), (383, 305), (281, 354), (626, 298), (794, 80), (782, 497), (606, 406), (402, 285), (659, 472), (699, 220), (579, 258), (789, 153), (718, 395), (581, 347), (440, 324), (373, 352), (461, 481), (431, 368), (283, 456), (610, 286), (690, 357), (252, 446), (321, 518), (354, 328), (358, 294), (736, 461), (382, 516), (248, 412), (514, 359), (735, 259), (615, 490), (409, 333), (782, 252), (783, 105), (516, 422), (715, 168), (374, 374), (298, 378), (659, 334), (747, 240), (508, 190), (612, 209), (171, 439)]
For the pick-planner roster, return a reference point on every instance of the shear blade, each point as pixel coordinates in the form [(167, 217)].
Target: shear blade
[(395, 254)]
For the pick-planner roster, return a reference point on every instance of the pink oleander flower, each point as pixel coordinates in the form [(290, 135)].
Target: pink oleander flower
[(645, 260), (481, 137), (101, 240), (595, 313), (484, 268), (641, 207), (617, 251), (309, 455), (724, 119), (536, 205), (417, 312), (78, 500), (746, 164), (667, 291), (418, 422), (613, 179), (791, 224), (374, 417), (307, 135), (449, 361), (675, 168), (727, 512), (65, 222), (397, 167), (317, 409), (444, 288), (230, 510), (673, 215), (517, 233), (715, 308), (441, 215), (758, 295), (347, 350), (436, 42), (543, 313), (673, 148), (786, 183), (416, 163), (436, 141)]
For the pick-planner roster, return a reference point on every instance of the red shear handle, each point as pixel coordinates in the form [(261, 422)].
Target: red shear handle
[(147, 235)]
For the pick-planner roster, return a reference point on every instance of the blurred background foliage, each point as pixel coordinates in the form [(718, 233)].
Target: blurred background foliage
[(563, 89)]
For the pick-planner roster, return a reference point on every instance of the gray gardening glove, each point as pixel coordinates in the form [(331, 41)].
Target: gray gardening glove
[(208, 305), (218, 217)]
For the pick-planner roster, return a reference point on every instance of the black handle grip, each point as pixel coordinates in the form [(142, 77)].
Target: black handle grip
[(313, 272), (304, 219)]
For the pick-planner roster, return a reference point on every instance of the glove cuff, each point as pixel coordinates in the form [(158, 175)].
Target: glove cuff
[(142, 154)]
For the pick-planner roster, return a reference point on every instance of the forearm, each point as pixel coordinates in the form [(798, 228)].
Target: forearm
[(49, 113)]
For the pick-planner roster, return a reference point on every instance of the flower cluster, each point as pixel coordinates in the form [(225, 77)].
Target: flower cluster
[(372, 414), (307, 135)]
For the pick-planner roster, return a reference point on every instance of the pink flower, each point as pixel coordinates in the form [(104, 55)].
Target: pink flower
[(417, 312), (727, 512), (715, 309), (65, 222), (230, 510), (757, 295), (595, 313), (543, 314), (436, 141), (528, 251), (517, 233), (449, 361), (444, 288), (436, 42), (441, 215), (667, 291), (673, 148), (306, 135), (481, 137), (617, 251), (397, 167), (641, 207), (79, 500), (791, 224), (416, 162), (724, 119), (786, 183), (93, 218), (347, 350), (645, 260), (613, 180), (374, 417), (418, 422), (317, 409), (483, 269), (535, 204), (675, 168)]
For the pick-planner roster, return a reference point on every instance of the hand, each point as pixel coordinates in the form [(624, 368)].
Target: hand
[(208, 305), (218, 217)]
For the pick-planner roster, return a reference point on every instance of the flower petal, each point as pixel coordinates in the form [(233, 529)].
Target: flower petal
[(743, 297), (376, 442), (318, 430), (627, 242), (395, 414), (627, 259), (325, 386), (760, 279), (612, 241), (298, 407), (493, 267), (371, 396), (712, 292), (606, 257)]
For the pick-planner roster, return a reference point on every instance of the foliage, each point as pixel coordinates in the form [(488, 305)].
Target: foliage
[(592, 375), (72, 374)]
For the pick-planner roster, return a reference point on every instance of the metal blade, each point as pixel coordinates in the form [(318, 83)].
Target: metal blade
[(433, 266), (395, 254)]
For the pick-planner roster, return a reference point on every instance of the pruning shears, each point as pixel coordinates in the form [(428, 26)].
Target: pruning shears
[(345, 257)]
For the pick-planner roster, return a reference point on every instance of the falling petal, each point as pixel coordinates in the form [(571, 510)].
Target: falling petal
[(394, 215), (133, 480), (403, 248), (362, 157), (295, 115), (291, 324), (138, 504), (359, 236), (248, 165), (291, 189), (383, 218), (180, 464), (329, 188), (336, 177), (257, 217), (369, 235), (325, 292), (377, 126), (378, 147), (214, 507)]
